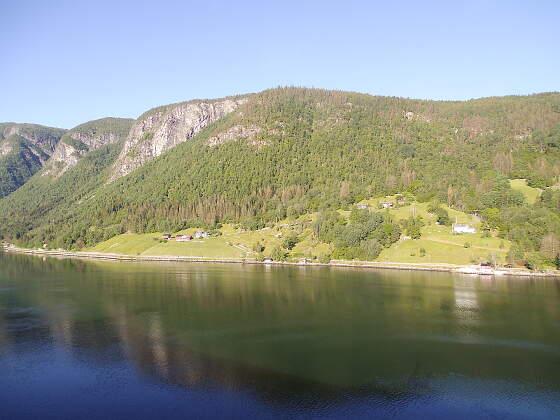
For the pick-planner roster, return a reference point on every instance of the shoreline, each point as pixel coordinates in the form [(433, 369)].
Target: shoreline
[(437, 267)]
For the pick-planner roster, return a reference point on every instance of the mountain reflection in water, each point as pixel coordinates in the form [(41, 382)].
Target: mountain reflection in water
[(275, 341)]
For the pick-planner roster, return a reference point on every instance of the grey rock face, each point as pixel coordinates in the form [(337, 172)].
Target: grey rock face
[(235, 132), (83, 139), (163, 128), (66, 155), (43, 138)]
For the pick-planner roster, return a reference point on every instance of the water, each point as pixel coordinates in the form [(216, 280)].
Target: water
[(92, 339)]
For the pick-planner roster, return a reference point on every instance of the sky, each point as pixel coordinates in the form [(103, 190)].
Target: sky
[(67, 62)]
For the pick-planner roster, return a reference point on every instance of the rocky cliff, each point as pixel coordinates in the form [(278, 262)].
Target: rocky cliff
[(165, 127), (83, 139), (24, 149), (43, 138)]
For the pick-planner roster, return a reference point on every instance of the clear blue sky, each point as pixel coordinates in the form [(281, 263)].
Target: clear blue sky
[(67, 62)]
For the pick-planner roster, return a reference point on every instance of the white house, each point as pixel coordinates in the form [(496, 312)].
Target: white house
[(463, 228), (200, 234)]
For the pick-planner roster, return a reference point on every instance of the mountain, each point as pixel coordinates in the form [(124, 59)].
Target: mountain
[(165, 127), (284, 152), (24, 149), (81, 162), (83, 139)]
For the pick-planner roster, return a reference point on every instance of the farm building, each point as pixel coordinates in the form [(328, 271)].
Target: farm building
[(201, 234), (463, 228)]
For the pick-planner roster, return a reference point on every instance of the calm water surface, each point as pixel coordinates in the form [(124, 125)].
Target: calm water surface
[(90, 339)]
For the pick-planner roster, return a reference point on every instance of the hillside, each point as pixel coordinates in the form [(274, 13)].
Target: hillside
[(288, 152), (81, 163), (436, 244), (164, 127), (83, 139), (24, 149)]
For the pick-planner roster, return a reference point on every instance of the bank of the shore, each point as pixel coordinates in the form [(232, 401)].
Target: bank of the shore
[(443, 267)]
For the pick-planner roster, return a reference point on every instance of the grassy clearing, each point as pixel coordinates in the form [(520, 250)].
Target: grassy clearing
[(440, 245), (216, 247), (531, 194), (409, 251), (127, 243), (149, 244)]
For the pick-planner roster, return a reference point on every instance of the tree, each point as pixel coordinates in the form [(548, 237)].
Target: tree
[(278, 254), (290, 242), (442, 216), (413, 227), (550, 246), (370, 249)]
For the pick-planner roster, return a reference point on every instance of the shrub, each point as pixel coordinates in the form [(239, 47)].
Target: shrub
[(290, 242), (278, 254), (324, 259)]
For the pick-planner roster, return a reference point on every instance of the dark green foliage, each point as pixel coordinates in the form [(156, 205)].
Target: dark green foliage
[(442, 215), (364, 236), (290, 242), (412, 227), (278, 254), (501, 195), (39, 209)]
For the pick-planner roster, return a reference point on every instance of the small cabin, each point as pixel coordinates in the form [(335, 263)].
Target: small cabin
[(183, 238), (362, 206), (201, 234), (463, 228), (401, 202), (386, 204), (166, 236)]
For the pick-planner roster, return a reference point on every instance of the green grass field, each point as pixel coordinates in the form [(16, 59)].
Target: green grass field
[(531, 194), (440, 245), (149, 244)]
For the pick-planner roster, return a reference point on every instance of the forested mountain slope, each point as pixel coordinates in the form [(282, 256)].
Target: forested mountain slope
[(24, 149), (288, 151), (164, 127)]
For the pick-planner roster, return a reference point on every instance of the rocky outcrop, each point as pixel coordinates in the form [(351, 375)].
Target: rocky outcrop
[(163, 128), (235, 132), (64, 157), (411, 116), (24, 149), (43, 139), (83, 139)]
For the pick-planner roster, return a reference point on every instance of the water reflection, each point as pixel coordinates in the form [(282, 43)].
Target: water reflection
[(283, 334)]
